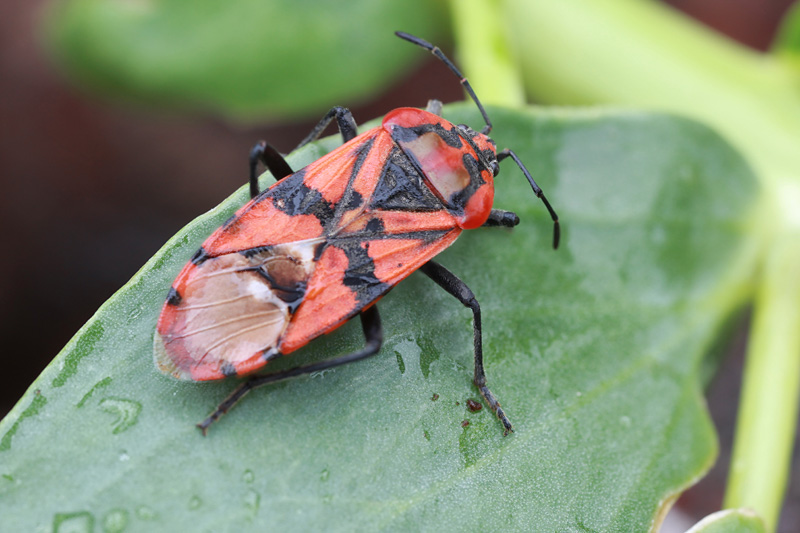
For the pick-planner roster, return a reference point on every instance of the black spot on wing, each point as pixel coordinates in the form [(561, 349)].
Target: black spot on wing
[(199, 257), (270, 353), (401, 187), (227, 369), (351, 198), (360, 273), (174, 297), (375, 225), (294, 197)]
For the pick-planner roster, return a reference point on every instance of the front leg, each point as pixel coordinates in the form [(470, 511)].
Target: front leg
[(501, 218)]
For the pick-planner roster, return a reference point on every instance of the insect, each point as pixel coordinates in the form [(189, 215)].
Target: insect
[(326, 242)]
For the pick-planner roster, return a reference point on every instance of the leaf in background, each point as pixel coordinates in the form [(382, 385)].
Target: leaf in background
[(730, 521), (245, 58), (596, 351)]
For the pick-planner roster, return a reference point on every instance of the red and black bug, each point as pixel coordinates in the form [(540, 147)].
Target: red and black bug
[(325, 243)]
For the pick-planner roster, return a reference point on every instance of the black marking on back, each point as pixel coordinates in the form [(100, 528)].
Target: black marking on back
[(174, 297), (351, 199), (451, 137), (230, 221), (459, 199), (401, 187), (360, 273), (350, 239), (270, 353), (250, 252), (199, 257), (375, 225), (294, 197), (227, 369)]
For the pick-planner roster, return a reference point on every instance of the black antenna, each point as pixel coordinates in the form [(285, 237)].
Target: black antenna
[(501, 155), (464, 83), (537, 191)]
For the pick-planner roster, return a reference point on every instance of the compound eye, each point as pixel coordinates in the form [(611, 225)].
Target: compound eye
[(494, 166)]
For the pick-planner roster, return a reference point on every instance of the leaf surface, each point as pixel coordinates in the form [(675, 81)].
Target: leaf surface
[(596, 351)]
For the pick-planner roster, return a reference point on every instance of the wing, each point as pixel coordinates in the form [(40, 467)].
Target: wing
[(301, 258), (231, 304), (311, 203), (226, 314), (401, 226)]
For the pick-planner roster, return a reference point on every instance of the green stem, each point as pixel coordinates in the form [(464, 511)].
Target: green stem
[(771, 386), (642, 53), (484, 54)]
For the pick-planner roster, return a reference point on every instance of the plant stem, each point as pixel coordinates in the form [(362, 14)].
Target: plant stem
[(771, 385), (484, 54)]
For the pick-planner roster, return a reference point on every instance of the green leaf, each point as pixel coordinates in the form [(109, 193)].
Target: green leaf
[(787, 41), (243, 58), (730, 521), (596, 351)]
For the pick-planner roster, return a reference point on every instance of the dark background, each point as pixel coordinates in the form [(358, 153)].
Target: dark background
[(91, 189)]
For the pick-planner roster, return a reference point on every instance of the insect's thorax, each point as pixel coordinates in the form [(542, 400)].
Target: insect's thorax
[(455, 162)]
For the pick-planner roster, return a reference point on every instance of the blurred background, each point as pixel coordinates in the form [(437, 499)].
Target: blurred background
[(91, 188)]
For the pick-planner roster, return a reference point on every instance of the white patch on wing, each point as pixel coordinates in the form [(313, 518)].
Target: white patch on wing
[(233, 307)]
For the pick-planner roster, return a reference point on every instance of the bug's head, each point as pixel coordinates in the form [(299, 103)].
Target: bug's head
[(456, 163), (477, 208)]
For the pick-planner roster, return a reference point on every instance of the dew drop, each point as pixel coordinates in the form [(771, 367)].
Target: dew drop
[(80, 522), (115, 521), (248, 476), (134, 313), (252, 500), (145, 513), (324, 475), (195, 502)]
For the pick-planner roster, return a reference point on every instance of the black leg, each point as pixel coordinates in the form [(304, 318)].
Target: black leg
[(275, 162), (373, 332), (435, 107), (344, 119), (499, 217), (272, 159), (449, 282)]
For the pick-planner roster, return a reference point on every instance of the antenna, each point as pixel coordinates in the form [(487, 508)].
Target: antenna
[(501, 155), (464, 82)]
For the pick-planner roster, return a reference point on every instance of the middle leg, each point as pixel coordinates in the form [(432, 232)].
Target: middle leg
[(449, 282)]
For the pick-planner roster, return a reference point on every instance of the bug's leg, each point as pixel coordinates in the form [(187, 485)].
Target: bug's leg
[(344, 119), (449, 282), (373, 332), (272, 159), (499, 217), (435, 107)]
